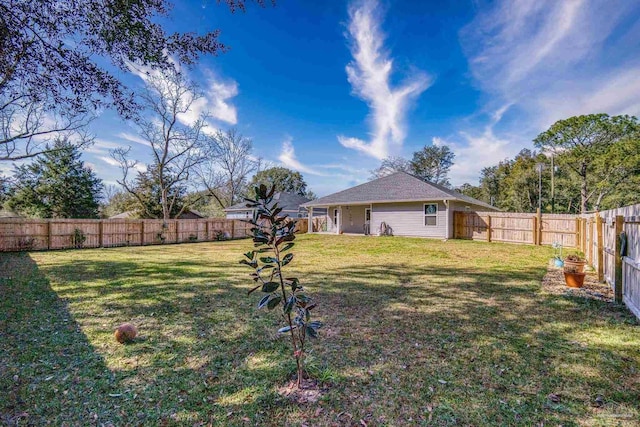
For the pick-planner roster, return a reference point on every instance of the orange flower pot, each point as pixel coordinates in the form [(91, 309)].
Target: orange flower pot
[(577, 265), (574, 280)]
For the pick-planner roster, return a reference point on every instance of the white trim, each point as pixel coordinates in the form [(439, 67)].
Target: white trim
[(424, 215), (446, 222)]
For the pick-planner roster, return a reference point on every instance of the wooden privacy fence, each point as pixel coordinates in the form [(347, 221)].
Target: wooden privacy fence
[(533, 229), (47, 234), (597, 235), (615, 257)]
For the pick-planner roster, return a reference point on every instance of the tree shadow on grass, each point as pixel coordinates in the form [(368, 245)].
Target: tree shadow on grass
[(480, 346), (50, 371)]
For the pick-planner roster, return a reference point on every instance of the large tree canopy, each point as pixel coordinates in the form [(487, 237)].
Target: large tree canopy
[(283, 179), (53, 55), (431, 163), (598, 148), (56, 185)]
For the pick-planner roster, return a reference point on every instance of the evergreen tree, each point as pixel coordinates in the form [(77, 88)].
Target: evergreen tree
[(56, 185), (146, 195)]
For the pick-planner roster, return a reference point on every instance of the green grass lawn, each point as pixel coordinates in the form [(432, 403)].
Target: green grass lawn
[(418, 332)]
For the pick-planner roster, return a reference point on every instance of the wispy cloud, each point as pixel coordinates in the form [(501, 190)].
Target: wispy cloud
[(539, 62), (369, 74), (134, 138), (552, 59), (476, 150), (288, 158), (216, 98)]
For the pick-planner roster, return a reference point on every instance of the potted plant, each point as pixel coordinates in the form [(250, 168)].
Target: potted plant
[(575, 263), (573, 278)]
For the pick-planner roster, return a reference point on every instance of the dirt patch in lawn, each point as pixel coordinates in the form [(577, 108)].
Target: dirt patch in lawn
[(553, 282)]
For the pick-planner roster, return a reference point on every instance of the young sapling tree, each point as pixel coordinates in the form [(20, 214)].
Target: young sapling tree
[(273, 236)]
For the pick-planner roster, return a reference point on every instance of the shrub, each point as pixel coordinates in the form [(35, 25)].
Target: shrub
[(78, 238), (273, 237)]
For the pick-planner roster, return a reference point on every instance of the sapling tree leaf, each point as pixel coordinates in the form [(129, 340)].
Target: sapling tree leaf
[(287, 247), (273, 302), (311, 332), (287, 259), (270, 286), (264, 301)]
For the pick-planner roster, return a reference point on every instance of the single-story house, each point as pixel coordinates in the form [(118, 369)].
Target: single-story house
[(289, 202), (400, 203)]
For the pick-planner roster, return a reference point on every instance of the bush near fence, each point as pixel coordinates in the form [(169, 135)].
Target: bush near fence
[(49, 234)]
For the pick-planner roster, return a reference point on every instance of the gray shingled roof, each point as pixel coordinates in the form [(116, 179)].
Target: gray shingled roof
[(397, 187), (287, 201)]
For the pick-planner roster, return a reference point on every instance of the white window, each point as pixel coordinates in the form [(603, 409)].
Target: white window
[(335, 217), (430, 214)]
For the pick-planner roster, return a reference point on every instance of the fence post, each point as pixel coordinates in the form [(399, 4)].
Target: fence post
[(233, 228), (48, 234), (539, 215), (100, 233), (489, 228), (618, 280), (534, 231), (578, 235), (600, 246), (177, 230)]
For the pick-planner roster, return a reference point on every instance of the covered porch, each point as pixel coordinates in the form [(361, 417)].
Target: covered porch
[(340, 219)]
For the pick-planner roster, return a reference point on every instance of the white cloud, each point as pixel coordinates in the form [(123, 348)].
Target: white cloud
[(369, 74), (133, 138), (215, 100), (288, 158), (541, 62), (101, 146), (109, 160), (554, 59), (477, 150)]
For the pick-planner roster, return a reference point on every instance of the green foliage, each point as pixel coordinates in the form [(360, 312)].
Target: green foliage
[(56, 185), (147, 197), (282, 180), (273, 236), (78, 238), (600, 151), (432, 163)]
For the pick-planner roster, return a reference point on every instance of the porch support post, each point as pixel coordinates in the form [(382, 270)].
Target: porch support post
[(339, 228), (446, 205), (310, 222)]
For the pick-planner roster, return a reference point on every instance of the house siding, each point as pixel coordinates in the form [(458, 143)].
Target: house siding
[(240, 214), (407, 219)]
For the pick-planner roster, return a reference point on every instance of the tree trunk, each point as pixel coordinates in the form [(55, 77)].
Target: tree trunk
[(584, 195), (165, 204)]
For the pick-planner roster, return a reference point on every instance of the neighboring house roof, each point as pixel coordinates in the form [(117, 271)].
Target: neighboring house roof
[(4, 213), (123, 215), (396, 187), (289, 202)]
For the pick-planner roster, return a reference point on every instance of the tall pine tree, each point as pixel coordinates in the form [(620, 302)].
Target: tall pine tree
[(56, 185)]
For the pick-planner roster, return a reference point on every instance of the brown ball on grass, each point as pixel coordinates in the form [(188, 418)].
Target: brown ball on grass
[(126, 333)]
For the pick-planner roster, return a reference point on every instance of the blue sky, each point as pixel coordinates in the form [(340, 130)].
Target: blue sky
[(329, 88)]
